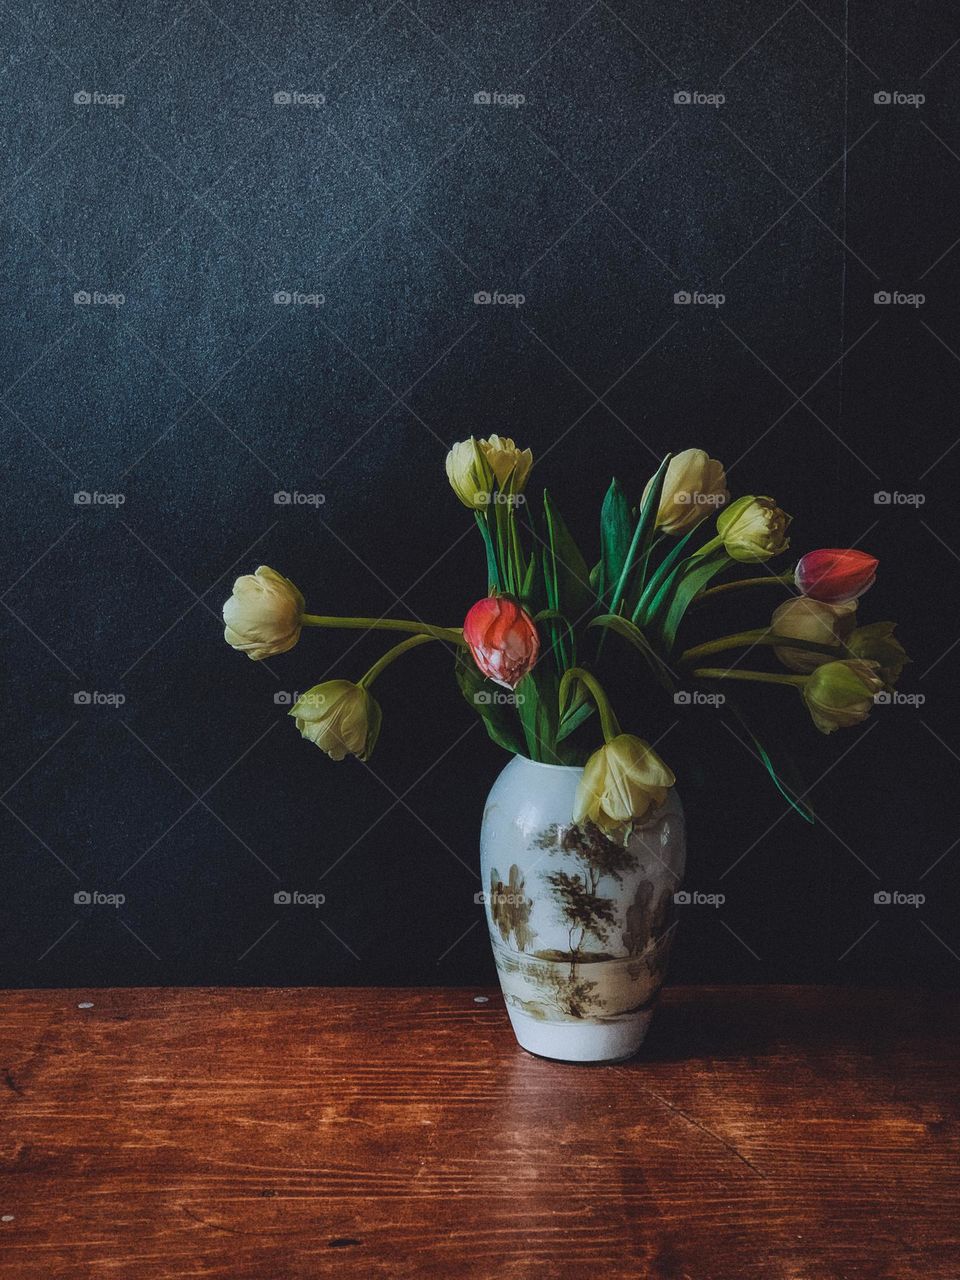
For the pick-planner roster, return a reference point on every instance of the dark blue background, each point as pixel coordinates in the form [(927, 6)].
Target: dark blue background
[(199, 397)]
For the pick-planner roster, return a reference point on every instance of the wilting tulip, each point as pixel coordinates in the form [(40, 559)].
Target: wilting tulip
[(836, 575), (469, 474), (877, 643), (502, 638), (693, 484), (840, 694), (803, 619), (753, 529), (621, 782), (264, 615), (340, 717), (505, 459)]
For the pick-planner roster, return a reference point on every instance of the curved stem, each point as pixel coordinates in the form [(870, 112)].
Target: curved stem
[(760, 677), (761, 635), (743, 582), (453, 635), (391, 655), (608, 721)]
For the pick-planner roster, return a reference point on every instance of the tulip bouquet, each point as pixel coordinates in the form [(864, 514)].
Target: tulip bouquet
[(530, 656)]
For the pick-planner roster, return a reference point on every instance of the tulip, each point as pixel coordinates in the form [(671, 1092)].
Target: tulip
[(877, 643), (840, 694), (621, 782), (264, 615), (502, 638), (341, 717), (803, 619), (835, 575), (753, 529), (469, 474), (505, 459), (693, 483)]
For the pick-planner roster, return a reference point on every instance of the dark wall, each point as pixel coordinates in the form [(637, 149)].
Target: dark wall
[(199, 397)]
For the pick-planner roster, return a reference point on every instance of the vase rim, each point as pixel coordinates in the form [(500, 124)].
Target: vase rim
[(542, 764)]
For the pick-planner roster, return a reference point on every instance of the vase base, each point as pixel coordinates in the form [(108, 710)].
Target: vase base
[(607, 1042)]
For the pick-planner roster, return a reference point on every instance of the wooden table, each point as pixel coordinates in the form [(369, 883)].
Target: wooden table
[(789, 1133)]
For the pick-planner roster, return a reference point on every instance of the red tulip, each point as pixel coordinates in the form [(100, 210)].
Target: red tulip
[(502, 638), (835, 576)]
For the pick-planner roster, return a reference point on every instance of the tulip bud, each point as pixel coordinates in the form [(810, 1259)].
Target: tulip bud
[(502, 638), (621, 782), (840, 694), (505, 459), (340, 717), (469, 474), (264, 615), (692, 485), (753, 529), (804, 619), (877, 643), (835, 575)]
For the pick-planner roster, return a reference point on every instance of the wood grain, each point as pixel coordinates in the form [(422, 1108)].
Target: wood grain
[(789, 1134)]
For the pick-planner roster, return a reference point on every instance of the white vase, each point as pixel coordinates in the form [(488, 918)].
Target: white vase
[(580, 922)]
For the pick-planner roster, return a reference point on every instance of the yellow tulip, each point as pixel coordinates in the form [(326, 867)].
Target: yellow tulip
[(621, 782), (469, 474), (804, 619), (340, 717), (505, 459), (753, 529), (693, 485), (264, 615), (840, 694)]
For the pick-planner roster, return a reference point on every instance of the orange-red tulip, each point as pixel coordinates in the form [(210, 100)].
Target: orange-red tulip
[(502, 638), (834, 575)]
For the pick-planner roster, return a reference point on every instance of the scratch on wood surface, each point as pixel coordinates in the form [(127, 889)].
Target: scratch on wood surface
[(696, 1124)]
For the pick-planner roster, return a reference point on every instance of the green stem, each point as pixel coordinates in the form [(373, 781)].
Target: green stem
[(744, 582), (761, 635), (391, 656), (707, 547), (608, 721), (452, 635), (760, 677)]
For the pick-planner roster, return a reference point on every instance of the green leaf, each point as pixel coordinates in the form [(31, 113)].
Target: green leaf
[(644, 533), (493, 573), (696, 574), (633, 635), (537, 705), (575, 719), (791, 791), (616, 533), (574, 595), (486, 698), (648, 603)]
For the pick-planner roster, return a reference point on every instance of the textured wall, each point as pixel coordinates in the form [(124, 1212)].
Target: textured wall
[(198, 397)]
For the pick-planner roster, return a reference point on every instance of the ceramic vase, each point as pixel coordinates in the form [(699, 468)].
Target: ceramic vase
[(580, 919)]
